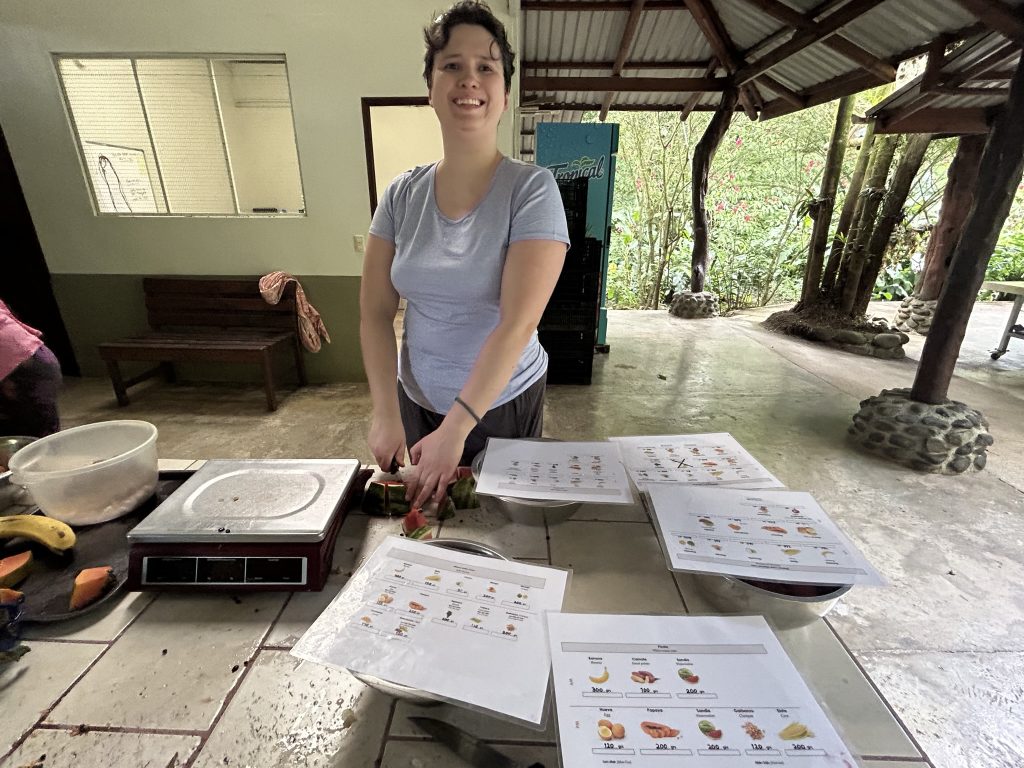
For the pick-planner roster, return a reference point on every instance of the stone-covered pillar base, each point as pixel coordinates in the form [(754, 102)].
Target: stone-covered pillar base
[(915, 315), (950, 438), (691, 305)]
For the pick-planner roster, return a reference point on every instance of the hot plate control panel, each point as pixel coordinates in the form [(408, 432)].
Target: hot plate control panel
[(166, 570)]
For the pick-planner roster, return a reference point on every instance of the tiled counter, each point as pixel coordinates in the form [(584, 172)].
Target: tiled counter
[(206, 680)]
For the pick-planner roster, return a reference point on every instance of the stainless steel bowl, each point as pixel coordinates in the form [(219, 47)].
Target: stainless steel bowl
[(404, 692), (785, 605), (523, 511)]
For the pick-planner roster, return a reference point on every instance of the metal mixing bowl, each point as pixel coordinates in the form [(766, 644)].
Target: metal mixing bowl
[(404, 692), (523, 511), (774, 601)]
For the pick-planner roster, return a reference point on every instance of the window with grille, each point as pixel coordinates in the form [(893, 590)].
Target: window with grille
[(184, 135)]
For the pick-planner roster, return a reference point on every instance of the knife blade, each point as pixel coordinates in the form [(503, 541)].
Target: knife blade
[(393, 469), (467, 746)]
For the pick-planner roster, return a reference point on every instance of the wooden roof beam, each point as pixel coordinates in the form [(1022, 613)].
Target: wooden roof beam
[(599, 5), (694, 99), (822, 29), (625, 84), (591, 107), (688, 64), (951, 121), (997, 16), (625, 44), (994, 59), (714, 30), (837, 42)]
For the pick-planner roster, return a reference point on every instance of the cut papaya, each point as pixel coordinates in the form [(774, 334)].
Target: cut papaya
[(10, 596), (90, 584), (15, 568)]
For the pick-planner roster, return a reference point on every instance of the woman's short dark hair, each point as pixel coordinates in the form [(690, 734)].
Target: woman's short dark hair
[(467, 12)]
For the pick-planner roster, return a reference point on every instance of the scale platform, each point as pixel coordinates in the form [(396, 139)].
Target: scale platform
[(245, 526)]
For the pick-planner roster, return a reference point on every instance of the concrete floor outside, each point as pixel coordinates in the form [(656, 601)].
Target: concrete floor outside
[(944, 642)]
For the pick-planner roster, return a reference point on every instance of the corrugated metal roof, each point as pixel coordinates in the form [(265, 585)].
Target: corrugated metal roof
[(911, 96), (886, 31)]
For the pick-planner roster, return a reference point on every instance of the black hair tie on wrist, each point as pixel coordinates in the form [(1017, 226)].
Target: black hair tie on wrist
[(469, 410)]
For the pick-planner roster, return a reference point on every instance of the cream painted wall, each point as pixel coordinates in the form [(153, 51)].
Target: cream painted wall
[(403, 138), (337, 52)]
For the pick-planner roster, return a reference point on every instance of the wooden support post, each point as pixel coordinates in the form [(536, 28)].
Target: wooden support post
[(892, 213), (702, 157), (823, 207), (956, 204), (849, 208), (856, 252), (998, 177)]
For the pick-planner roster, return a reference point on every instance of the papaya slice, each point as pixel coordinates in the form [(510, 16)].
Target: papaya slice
[(15, 568), (10, 596), (90, 584)]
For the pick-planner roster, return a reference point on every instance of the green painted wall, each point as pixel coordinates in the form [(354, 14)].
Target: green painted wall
[(99, 308)]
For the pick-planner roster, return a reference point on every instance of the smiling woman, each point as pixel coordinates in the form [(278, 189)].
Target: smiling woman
[(474, 243)]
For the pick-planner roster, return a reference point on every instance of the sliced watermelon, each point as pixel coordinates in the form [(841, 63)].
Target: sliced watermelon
[(415, 525)]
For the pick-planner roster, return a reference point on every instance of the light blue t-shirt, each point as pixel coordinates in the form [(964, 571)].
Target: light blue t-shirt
[(449, 272)]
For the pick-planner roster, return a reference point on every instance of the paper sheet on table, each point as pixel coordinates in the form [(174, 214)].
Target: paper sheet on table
[(554, 471), (715, 458), (463, 627), (771, 535), (683, 690)]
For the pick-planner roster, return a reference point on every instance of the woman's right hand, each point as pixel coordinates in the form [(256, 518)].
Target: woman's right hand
[(387, 441)]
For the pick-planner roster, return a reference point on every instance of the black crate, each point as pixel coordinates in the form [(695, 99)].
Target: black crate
[(572, 343), (574, 194), (576, 221), (569, 316), (577, 369), (583, 256), (581, 287)]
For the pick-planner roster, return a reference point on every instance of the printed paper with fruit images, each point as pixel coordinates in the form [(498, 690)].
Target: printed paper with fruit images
[(554, 471), (769, 535), (649, 691), (715, 459), (461, 627)]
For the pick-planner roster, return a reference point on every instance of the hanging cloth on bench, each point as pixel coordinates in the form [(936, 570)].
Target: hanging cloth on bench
[(311, 327)]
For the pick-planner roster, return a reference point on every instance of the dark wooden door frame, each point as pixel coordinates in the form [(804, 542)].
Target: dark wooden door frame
[(381, 101)]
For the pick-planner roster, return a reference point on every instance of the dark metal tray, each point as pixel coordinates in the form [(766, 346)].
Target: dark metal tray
[(48, 587)]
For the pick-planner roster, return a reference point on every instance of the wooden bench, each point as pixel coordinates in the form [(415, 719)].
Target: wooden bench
[(208, 320)]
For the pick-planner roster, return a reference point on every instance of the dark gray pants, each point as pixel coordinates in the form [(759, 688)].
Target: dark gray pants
[(28, 397), (523, 416)]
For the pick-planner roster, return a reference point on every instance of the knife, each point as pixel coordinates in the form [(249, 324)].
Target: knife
[(467, 746)]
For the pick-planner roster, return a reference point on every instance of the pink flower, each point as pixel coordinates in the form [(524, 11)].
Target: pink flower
[(720, 206), (739, 142), (746, 218)]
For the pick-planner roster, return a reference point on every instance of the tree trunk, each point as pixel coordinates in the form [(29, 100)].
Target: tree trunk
[(702, 157), (856, 254), (892, 213), (822, 208), (998, 177), (956, 204), (655, 302), (835, 254)]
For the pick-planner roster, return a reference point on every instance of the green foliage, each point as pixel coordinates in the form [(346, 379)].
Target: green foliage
[(1007, 261)]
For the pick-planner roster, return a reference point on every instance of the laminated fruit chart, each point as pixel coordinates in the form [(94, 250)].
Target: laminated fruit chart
[(651, 691), (780, 535), (714, 458), (442, 621)]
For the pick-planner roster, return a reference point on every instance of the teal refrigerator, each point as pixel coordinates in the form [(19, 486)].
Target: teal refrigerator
[(586, 150)]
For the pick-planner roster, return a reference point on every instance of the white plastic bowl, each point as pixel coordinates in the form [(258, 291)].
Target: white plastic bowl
[(90, 474)]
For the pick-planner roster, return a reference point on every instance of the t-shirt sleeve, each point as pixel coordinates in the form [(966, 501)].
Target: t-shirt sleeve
[(537, 210), (383, 222)]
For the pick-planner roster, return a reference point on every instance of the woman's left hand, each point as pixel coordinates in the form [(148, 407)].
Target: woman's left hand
[(436, 457)]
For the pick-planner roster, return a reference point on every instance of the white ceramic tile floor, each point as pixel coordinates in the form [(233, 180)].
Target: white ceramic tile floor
[(30, 686), (101, 625), (137, 685), (291, 712), (97, 749)]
